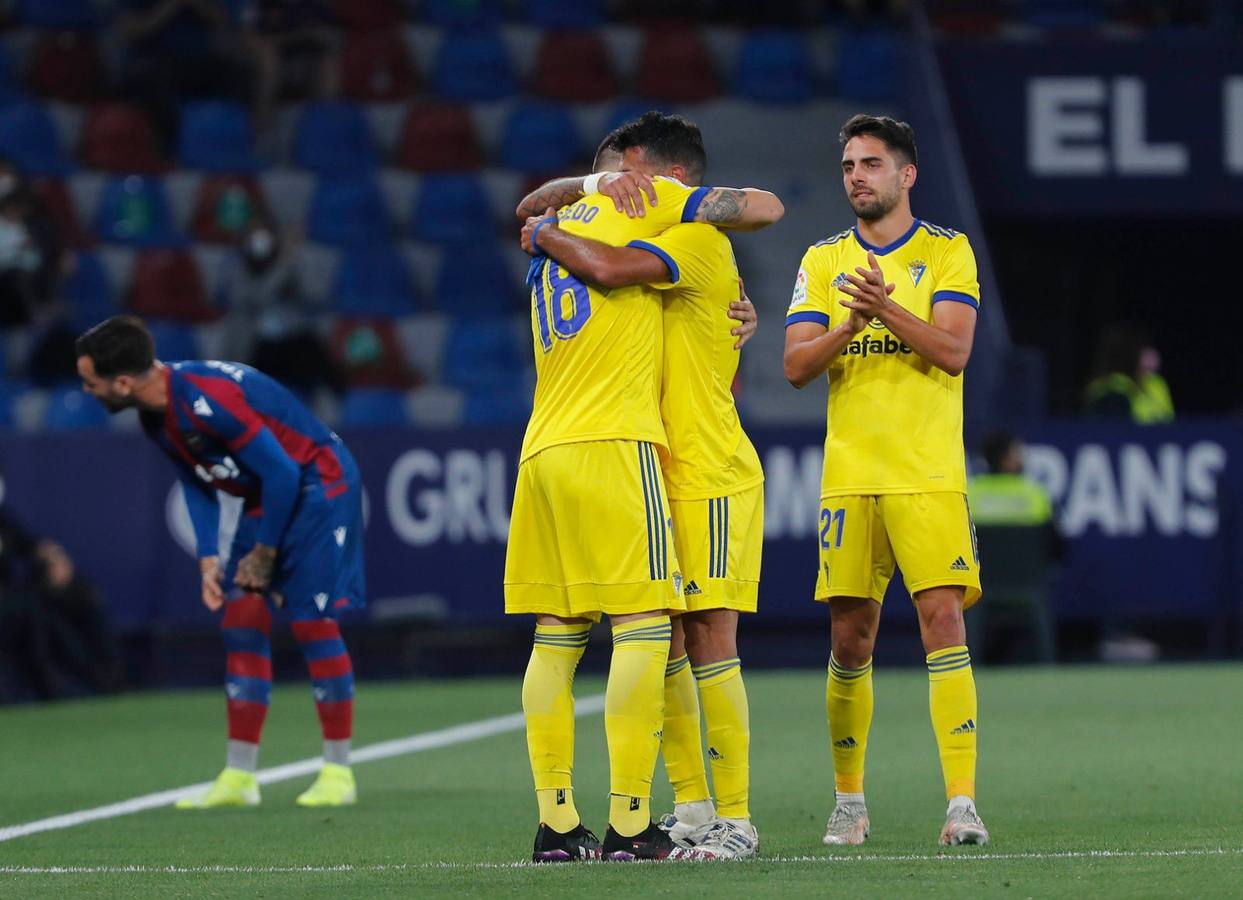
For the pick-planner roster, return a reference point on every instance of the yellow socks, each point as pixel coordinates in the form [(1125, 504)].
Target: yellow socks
[(951, 700), (724, 698), (548, 704), (682, 744), (634, 711), (848, 697)]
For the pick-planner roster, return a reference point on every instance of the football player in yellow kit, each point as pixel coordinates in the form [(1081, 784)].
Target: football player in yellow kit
[(887, 310)]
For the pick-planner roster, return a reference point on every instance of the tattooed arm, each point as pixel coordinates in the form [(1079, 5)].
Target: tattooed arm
[(748, 209), (556, 193)]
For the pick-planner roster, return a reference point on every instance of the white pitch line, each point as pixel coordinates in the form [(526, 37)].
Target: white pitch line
[(415, 743), (832, 859)]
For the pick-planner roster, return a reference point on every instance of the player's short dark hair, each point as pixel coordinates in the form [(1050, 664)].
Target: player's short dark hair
[(666, 139), (996, 447), (121, 345), (899, 137), (608, 145)]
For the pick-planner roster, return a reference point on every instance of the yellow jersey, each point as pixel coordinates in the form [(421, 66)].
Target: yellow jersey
[(709, 455), (895, 420), (597, 351)]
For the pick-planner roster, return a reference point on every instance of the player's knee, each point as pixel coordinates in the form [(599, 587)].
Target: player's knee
[(943, 627), (852, 648), (710, 638)]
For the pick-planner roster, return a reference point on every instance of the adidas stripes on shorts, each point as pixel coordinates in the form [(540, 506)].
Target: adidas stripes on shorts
[(929, 536)]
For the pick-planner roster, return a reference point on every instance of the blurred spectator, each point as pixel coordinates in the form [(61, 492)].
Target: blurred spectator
[(369, 355), (176, 49), (1126, 383), (55, 637), (30, 249), (292, 45), (269, 323)]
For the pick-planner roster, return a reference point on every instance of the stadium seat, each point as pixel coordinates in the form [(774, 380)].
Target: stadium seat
[(482, 354), (368, 15), (564, 13), (368, 353), (216, 136), (118, 137), (333, 138), (474, 279), (675, 66), (376, 68), (628, 111), (775, 67), (452, 209), (869, 65), (133, 210), (67, 66), (1062, 14), (225, 206), (167, 284), (347, 211), (174, 340), (80, 14), (8, 420), (28, 137), (87, 292), (508, 405), (70, 409), (373, 408), (59, 205), (454, 13), (374, 280), (540, 137), (440, 137), (10, 85), (474, 64), (574, 67)]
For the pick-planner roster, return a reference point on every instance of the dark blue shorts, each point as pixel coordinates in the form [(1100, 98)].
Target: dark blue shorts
[(319, 564)]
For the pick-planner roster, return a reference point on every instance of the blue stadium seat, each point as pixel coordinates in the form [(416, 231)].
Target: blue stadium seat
[(88, 292), (216, 136), (69, 408), (451, 13), (373, 408), (80, 14), (374, 281), (474, 64), (8, 394), (629, 110), (540, 137), (474, 280), (334, 139), (452, 209), (347, 211), (510, 405), (10, 85), (565, 13), (174, 340), (869, 65), (133, 210), (1059, 14), (482, 354), (774, 66), (28, 137)]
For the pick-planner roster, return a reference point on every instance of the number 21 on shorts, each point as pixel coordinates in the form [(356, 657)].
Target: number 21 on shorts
[(831, 524)]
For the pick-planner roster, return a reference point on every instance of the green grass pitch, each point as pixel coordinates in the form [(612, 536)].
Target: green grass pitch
[(1145, 763)]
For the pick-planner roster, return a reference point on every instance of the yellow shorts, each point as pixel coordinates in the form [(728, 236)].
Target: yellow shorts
[(719, 544), (930, 536), (591, 533)]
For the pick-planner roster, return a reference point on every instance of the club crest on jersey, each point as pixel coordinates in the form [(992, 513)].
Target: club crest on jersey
[(917, 268)]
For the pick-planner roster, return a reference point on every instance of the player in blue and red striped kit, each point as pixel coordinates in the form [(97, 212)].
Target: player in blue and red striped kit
[(297, 546)]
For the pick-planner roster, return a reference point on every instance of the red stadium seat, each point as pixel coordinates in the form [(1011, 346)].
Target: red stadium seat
[(365, 15), (574, 66), (225, 206), (59, 205), (118, 137), (368, 352), (675, 65), (440, 137), (66, 65), (375, 67), (167, 284)]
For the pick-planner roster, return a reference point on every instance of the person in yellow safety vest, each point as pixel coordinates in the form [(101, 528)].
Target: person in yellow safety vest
[(1127, 384), (1004, 495)]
